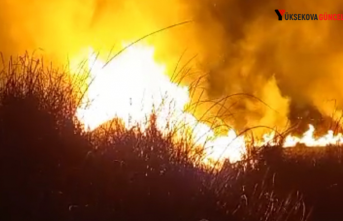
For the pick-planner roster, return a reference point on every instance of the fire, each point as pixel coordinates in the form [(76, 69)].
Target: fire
[(309, 140), (133, 86)]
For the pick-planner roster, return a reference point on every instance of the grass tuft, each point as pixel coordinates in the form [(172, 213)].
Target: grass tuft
[(52, 170)]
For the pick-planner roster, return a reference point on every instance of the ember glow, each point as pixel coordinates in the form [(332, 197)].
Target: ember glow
[(133, 86)]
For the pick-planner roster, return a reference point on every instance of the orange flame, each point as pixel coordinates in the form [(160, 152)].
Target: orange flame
[(309, 140), (133, 83)]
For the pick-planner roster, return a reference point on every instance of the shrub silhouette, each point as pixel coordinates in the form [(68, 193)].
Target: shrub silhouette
[(52, 170)]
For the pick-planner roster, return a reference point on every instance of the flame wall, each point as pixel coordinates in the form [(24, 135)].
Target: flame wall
[(241, 45)]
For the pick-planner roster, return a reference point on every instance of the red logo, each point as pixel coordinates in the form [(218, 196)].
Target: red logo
[(280, 13)]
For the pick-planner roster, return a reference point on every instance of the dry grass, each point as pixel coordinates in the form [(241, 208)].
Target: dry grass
[(52, 170)]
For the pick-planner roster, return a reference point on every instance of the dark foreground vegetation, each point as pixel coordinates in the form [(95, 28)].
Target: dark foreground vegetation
[(51, 170)]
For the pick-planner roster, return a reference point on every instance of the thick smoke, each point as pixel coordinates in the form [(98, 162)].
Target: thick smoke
[(239, 44), (278, 61)]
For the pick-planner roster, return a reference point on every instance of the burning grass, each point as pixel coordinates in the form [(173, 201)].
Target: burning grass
[(53, 170)]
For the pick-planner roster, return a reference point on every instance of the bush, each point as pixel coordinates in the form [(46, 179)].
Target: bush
[(52, 170)]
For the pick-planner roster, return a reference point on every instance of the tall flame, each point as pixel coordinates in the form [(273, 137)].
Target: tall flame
[(133, 86)]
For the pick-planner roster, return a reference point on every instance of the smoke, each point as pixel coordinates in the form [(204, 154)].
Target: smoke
[(283, 63), (239, 44)]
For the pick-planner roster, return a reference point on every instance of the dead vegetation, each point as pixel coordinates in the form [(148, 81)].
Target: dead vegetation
[(52, 170)]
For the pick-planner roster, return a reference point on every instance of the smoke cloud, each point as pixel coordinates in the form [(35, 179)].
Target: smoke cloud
[(240, 46)]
